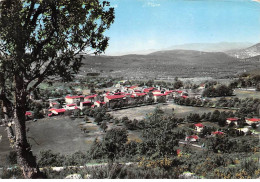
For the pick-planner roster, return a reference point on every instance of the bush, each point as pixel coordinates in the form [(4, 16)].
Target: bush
[(49, 159)]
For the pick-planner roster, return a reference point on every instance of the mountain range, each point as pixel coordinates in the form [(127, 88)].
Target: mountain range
[(168, 64), (249, 52)]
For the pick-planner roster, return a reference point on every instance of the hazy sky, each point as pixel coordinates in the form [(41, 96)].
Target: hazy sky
[(157, 24)]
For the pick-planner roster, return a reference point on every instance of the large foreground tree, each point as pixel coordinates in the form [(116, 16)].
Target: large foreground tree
[(40, 39)]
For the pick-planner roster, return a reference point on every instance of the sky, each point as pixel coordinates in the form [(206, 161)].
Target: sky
[(157, 24)]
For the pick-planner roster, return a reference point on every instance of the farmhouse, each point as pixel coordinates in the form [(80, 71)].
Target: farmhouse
[(252, 120), (199, 127), (232, 120), (73, 99)]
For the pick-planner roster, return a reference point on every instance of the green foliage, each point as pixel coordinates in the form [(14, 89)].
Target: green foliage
[(49, 159), (221, 90), (113, 142)]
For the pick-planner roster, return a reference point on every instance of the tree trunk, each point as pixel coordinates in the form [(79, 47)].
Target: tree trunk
[(25, 156)]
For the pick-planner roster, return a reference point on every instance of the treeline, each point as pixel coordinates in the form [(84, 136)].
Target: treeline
[(246, 80), (248, 107), (218, 91)]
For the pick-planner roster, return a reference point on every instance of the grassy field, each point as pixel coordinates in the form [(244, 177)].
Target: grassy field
[(61, 135), (179, 111), (242, 94)]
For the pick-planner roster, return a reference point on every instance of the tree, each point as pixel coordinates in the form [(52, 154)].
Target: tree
[(113, 142), (40, 39)]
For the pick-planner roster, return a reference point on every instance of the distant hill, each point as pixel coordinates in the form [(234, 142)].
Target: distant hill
[(167, 64), (206, 47), (213, 47), (246, 53)]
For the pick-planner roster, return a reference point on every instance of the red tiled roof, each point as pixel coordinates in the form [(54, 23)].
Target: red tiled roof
[(140, 94), (28, 113), (91, 96), (199, 125), (59, 110), (99, 102), (73, 97), (217, 133), (232, 119), (184, 96), (179, 91), (254, 119), (71, 105), (193, 136), (148, 89), (93, 106), (111, 97), (132, 87), (137, 90)]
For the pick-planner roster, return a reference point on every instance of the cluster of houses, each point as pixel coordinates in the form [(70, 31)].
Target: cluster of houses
[(199, 127), (124, 96)]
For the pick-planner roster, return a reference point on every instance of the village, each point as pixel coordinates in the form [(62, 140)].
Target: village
[(122, 96)]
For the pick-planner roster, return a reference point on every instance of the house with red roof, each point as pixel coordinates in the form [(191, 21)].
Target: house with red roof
[(250, 121), (132, 87), (199, 127), (28, 115), (71, 106), (91, 98), (56, 111), (99, 104), (85, 104), (232, 120), (160, 96), (148, 89), (73, 99), (111, 100), (157, 92), (192, 138)]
